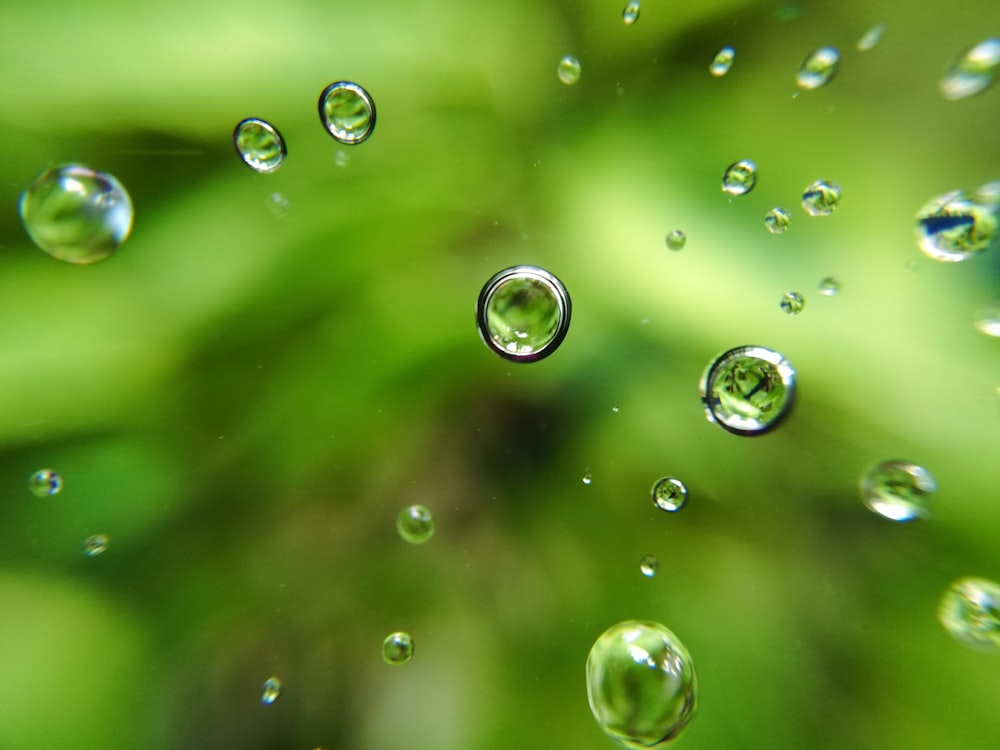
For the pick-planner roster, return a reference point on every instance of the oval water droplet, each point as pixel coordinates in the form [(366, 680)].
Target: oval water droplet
[(648, 565), (631, 13), (271, 691), (829, 286), (821, 198), (397, 648), (569, 70), (739, 177), (259, 144), (415, 524), (988, 320), (347, 112), (871, 37), (95, 545), (44, 483), (954, 227), (748, 390), (777, 220), (523, 313), (722, 62), (76, 214), (818, 69), (641, 684), (587, 478), (897, 490), (973, 72), (676, 239), (792, 303), (669, 494), (970, 612)]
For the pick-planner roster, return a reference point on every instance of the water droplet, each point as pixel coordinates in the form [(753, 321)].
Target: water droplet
[(277, 204), (669, 494), (641, 684), (818, 69), (821, 198), (587, 478), (871, 37), (676, 239), (988, 321), (569, 70), (76, 214), (45, 482), (523, 313), (631, 13), (975, 71), (415, 524), (95, 545), (648, 565), (341, 158), (614, 409), (970, 612), (259, 144), (722, 62), (748, 390), (897, 490), (739, 177), (397, 648), (792, 303), (829, 287), (347, 112), (955, 227), (272, 689), (777, 220)]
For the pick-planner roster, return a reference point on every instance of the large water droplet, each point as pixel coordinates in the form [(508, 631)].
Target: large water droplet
[(970, 612), (975, 71), (748, 390), (676, 239), (722, 62), (641, 684), (871, 37), (829, 287), (777, 220), (45, 482), (272, 689), (95, 545), (648, 565), (818, 69), (76, 214), (259, 144), (897, 490), (955, 227), (821, 198), (669, 494), (523, 313), (739, 177), (569, 70), (347, 112), (415, 524), (631, 13), (792, 303), (397, 648)]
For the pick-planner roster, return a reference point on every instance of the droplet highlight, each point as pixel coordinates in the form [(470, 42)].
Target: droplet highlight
[(973, 72), (722, 62), (95, 545), (818, 69), (669, 494), (415, 524), (871, 37), (676, 239), (988, 320), (588, 478), (748, 390), (397, 648), (347, 112), (897, 490), (277, 204), (777, 220), (739, 177), (569, 70), (649, 565), (45, 483), (792, 303), (631, 13), (271, 691), (970, 613), (523, 313), (260, 145), (821, 198), (955, 227), (829, 286)]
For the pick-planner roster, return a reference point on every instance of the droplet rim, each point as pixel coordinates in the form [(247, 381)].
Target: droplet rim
[(353, 140), (785, 369), (273, 131)]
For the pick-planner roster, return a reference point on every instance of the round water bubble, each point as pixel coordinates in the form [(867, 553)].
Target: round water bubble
[(821, 198), (95, 545), (970, 612), (871, 37), (748, 390), (792, 303), (777, 220), (988, 320), (829, 286), (739, 177), (641, 684), (44, 483), (648, 565), (271, 691), (897, 490), (76, 214), (975, 71), (397, 648), (722, 62), (818, 69), (669, 494), (415, 524), (523, 313), (347, 112), (676, 239), (260, 145), (631, 13), (569, 70), (955, 227)]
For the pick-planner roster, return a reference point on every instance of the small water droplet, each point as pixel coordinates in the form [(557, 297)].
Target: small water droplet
[(722, 62), (341, 158), (669, 494), (988, 320), (648, 565), (792, 303), (272, 689), (641, 684), (259, 144), (76, 214), (415, 524), (973, 72), (277, 204), (821, 198), (748, 390), (587, 478), (569, 70), (523, 313), (818, 69), (95, 545), (347, 112), (897, 490), (676, 239), (614, 409), (397, 648), (44, 483), (871, 37), (739, 177), (970, 612), (954, 227), (631, 13), (777, 220), (829, 287)]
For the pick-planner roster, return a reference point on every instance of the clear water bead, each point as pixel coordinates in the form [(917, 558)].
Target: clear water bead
[(631, 13), (818, 69), (871, 37), (821, 198), (272, 689), (588, 478), (748, 390), (722, 62), (676, 239), (523, 313), (648, 565), (397, 648), (347, 112), (415, 524), (988, 320), (44, 483), (76, 214), (95, 545), (955, 227), (897, 490), (970, 611), (777, 220), (829, 287), (641, 684), (669, 494), (569, 70), (792, 303), (739, 177), (260, 145), (973, 72)]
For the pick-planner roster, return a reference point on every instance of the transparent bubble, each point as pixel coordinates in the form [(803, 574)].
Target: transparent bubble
[(272, 689), (722, 62), (260, 145), (76, 214), (277, 204), (588, 478), (631, 13), (669, 494), (676, 239), (821, 198), (739, 177), (648, 565), (973, 72), (897, 490), (955, 227), (777, 220), (829, 286), (792, 303), (818, 69), (397, 648), (523, 313), (347, 112), (970, 612), (641, 684), (415, 524), (569, 70), (871, 37), (988, 320), (748, 390), (45, 482), (95, 545)]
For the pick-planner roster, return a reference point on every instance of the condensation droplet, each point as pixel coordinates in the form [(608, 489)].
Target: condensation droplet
[(44, 483), (648, 565), (871, 37), (792, 303), (587, 478), (954, 227), (615, 410), (95, 545), (347, 112), (631, 13), (722, 62), (523, 313), (739, 177), (897, 490), (341, 158), (748, 390), (415, 524), (821, 198), (277, 204), (829, 286), (669, 494), (970, 612), (973, 72), (818, 69), (272, 689), (259, 144), (988, 320), (569, 70), (397, 648), (777, 220), (676, 239)]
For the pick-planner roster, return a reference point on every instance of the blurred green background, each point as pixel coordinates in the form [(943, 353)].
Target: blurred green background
[(244, 401)]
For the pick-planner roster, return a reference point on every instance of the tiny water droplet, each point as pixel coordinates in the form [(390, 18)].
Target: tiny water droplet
[(897, 490), (277, 204), (821, 198), (988, 320), (970, 613), (871, 37), (722, 62), (569, 70), (676, 239), (341, 158), (347, 112), (748, 390), (669, 494), (792, 303), (523, 313), (818, 69), (648, 565), (777, 220), (44, 483), (397, 648), (614, 409), (272, 689), (973, 72), (631, 13), (259, 144), (954, 227), (415, 524), (95, 545), (739, 177), (587, 478), (829, 287)]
